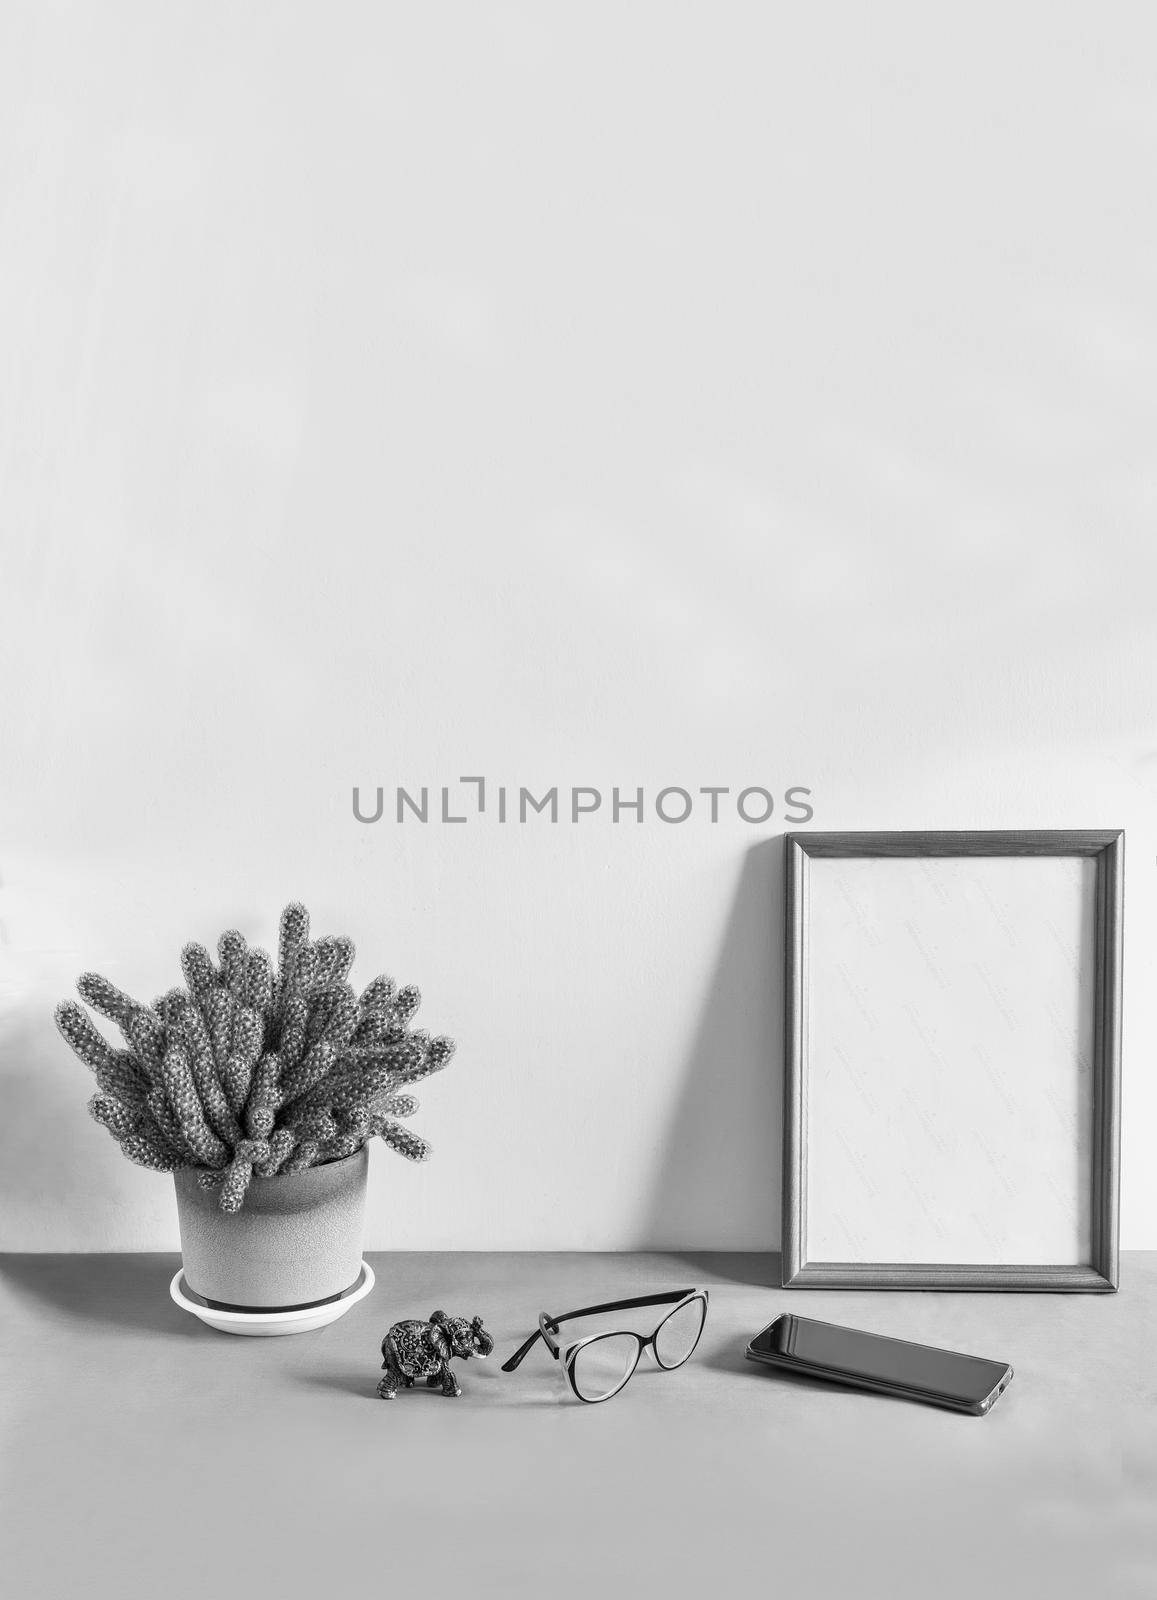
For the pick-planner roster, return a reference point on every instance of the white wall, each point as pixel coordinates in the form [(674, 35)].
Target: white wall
[(592, 394)]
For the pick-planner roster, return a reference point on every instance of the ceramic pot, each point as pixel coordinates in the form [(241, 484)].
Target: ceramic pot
[(297, 1240)]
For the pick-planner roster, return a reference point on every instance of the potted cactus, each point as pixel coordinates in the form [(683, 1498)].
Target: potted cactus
[(259, 1087)]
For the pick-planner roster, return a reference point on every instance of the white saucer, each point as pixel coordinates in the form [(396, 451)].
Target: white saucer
[(266, 1324)]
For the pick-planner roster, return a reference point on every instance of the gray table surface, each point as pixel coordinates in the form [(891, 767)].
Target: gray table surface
[(144, 1454)]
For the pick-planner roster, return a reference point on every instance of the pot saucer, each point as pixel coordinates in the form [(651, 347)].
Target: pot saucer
[(266, 1324)]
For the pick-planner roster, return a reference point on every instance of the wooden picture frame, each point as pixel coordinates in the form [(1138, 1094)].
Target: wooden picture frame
[(953, 1024)]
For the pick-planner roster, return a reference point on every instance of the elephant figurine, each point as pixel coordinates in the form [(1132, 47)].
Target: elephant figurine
[(414, 1349)]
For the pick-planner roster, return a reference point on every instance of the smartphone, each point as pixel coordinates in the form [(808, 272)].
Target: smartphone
[(888, 1366)]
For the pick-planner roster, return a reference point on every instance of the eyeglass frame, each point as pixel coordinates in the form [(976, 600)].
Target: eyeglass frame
[(549, 1327)]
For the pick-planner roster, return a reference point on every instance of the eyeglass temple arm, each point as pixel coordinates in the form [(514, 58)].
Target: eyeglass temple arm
[(670, 1298), (516, 1358)]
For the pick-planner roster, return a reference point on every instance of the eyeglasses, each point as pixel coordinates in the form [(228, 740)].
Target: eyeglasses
[(600, 1365)]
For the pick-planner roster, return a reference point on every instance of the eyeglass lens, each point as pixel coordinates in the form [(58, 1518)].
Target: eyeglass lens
[(604, 1365), (678, 1335)]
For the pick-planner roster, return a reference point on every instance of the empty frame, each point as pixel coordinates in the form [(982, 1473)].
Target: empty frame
[(953, 1060)]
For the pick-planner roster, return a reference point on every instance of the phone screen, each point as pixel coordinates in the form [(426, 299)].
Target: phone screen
[(799, 1341)]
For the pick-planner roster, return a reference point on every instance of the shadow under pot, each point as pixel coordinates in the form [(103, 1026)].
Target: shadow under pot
[(295, 1243)]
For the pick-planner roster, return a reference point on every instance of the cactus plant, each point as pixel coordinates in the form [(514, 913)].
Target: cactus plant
[(253, 1067)]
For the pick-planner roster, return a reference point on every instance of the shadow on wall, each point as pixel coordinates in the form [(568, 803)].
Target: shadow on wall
[(49, 1166), (717, 1183)]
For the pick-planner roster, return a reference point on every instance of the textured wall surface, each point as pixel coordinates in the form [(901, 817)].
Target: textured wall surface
[(722, 395)]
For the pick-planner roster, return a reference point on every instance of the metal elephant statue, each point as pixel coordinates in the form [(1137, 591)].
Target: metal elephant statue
[(416, 1349)]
